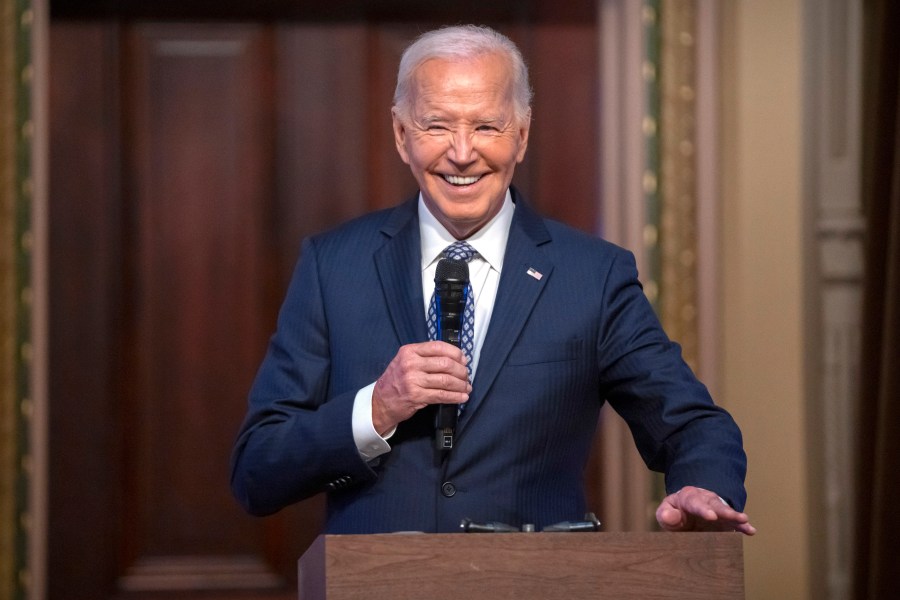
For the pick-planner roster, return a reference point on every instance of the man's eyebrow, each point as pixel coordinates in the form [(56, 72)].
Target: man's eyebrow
[(434, 119), (429, 119)]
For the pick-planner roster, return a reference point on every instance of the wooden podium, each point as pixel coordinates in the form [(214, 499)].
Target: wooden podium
[(542, 566)]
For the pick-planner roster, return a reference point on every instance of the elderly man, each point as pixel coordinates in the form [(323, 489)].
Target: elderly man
[(345, 400)]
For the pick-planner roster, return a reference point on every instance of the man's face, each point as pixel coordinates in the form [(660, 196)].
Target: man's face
[(461, 138)]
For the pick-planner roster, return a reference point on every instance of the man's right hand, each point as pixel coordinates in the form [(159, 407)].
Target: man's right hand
[(419, 375)]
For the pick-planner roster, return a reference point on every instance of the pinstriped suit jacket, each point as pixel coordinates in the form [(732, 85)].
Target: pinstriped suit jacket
[(556, 348)]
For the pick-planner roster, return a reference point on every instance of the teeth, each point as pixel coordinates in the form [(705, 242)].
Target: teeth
[(457, 180)]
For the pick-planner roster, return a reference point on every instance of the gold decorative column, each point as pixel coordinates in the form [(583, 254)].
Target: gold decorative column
[(677, 226), (669, 274), (16, 245), (651, 17), (670, 173), (653, 174)]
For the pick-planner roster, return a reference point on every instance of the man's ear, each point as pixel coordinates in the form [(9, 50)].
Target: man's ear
[(524, 129), (399, 134)]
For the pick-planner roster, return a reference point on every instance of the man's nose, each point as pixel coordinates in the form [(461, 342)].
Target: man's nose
[(462, 150)]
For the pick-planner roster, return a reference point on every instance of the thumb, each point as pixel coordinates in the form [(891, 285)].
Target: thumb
[(669, 517)]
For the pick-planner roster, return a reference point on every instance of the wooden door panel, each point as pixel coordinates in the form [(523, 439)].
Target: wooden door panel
[(198, 105)]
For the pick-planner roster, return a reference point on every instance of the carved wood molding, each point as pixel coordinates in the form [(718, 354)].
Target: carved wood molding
[(199, 573)]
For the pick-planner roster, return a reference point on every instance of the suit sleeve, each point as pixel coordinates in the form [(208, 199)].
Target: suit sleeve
[(675, 424), (296, 441)]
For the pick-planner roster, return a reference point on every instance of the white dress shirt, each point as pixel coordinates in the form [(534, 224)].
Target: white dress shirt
[(484, 275)]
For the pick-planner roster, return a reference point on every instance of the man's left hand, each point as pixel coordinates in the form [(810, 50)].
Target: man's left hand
[(695, 509)]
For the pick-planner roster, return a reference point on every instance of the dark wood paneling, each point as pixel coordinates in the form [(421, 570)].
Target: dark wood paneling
[(563, 155), (474, 11), (84, 312), (187, 162), (322, 134), (201, 124), (161, 271), (389, 177)]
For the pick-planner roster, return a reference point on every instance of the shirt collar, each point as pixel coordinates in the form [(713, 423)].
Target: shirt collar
[(489, 241)]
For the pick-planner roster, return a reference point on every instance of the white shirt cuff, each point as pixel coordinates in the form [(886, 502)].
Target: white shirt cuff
[(368, 442)]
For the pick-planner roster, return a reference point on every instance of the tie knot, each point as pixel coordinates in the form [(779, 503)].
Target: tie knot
[(460, 251)]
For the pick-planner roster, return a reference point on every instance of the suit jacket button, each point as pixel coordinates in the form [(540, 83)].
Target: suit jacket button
[(448, 489)]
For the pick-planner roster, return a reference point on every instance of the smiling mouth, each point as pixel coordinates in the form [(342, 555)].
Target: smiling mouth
[(459, 180)]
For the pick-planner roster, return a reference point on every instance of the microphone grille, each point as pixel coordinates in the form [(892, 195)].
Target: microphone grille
[(451, 269)]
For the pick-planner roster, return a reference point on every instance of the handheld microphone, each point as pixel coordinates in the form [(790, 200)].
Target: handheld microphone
[(451, 280)]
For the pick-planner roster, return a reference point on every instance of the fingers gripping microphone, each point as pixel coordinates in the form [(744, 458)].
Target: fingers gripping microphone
[(451, 281)]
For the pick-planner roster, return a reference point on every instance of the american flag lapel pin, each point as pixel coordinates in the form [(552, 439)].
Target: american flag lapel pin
[(534, 273)]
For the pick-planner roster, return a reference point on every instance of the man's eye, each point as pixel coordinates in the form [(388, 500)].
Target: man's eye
[(489, 128)]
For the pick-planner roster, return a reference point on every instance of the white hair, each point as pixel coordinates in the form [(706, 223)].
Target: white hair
[(462, 42)]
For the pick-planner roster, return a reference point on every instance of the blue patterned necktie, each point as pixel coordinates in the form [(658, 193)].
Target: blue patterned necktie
[(458, 251)]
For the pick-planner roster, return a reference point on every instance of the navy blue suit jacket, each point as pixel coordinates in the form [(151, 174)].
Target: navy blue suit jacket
[(556, 348)]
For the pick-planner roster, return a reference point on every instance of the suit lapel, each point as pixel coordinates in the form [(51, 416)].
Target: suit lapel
[(399, 268), (398, 263), (516, 295)]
